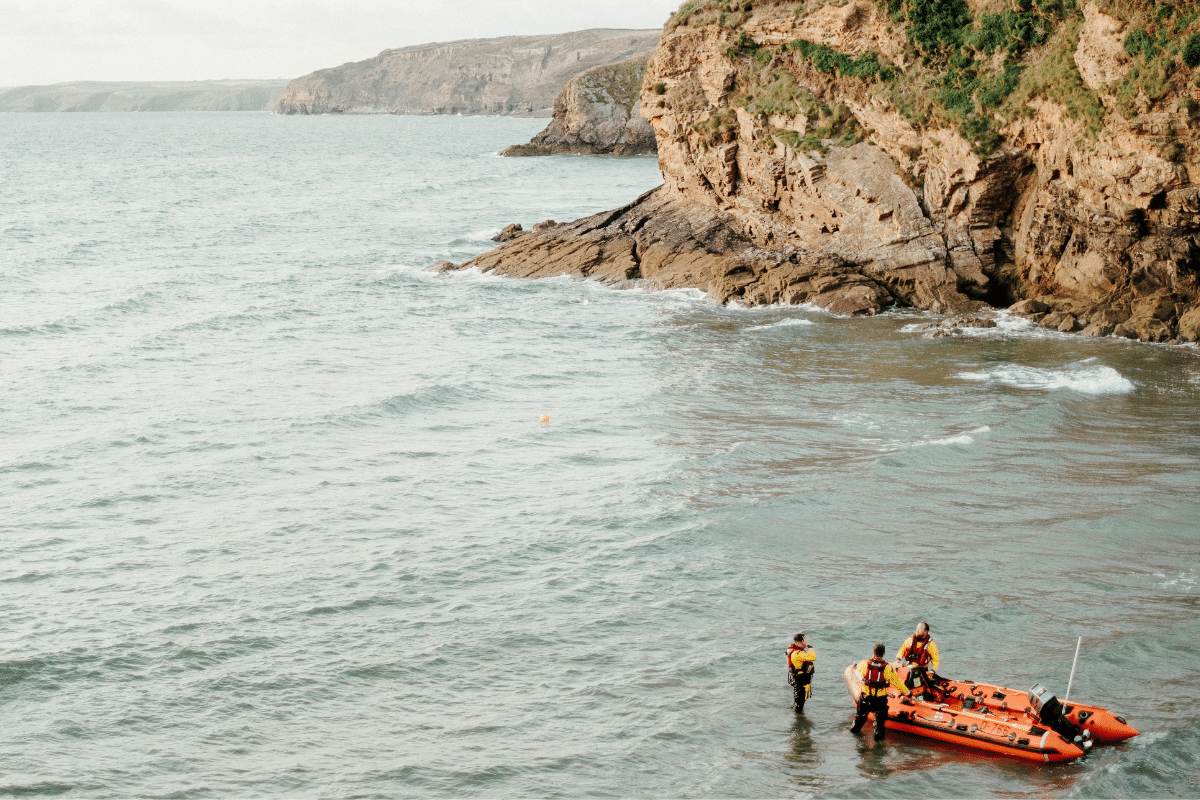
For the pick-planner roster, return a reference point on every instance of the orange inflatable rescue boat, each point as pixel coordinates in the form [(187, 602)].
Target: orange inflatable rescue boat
[(1031, 725)]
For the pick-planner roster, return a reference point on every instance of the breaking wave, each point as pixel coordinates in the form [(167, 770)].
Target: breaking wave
[(1086, 380)]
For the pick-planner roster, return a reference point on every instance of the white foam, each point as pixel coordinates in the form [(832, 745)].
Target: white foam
[(1086, 380), (687, 296), (783, 323), (1006, 324), (962, 438), (474, 274), (1182, 581), (484, 235)]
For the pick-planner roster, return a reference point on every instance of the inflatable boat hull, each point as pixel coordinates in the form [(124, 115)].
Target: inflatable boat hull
[(1003, 723), (1103, 726)]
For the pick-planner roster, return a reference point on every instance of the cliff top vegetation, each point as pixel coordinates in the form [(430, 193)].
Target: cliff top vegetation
[(978, 66)]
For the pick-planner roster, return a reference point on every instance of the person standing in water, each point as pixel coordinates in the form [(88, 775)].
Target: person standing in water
[(872, 698), (802, 662)]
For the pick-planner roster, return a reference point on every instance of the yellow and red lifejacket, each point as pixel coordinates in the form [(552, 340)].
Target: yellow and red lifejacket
[(876, 677), (918, 651), (804, 669)]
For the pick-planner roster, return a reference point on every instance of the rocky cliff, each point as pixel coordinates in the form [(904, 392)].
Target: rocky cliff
[(232, 95), (598, 112), (942, 154), (513, 75)]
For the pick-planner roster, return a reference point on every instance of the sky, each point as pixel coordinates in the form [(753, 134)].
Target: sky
[(55, 41)]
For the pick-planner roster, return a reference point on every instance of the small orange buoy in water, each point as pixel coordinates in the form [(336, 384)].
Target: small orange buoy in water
[(545, 418)]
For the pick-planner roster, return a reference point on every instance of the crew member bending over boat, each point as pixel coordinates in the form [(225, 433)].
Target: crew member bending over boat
[(920, 651), (876, 674), (802, 661)]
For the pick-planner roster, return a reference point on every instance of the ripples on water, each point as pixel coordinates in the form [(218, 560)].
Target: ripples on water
[(277, 515)]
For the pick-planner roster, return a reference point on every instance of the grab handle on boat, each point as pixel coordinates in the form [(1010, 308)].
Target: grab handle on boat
[(1071, 680)]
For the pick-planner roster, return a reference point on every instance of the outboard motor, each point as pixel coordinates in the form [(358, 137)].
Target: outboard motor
[(1050, 712)]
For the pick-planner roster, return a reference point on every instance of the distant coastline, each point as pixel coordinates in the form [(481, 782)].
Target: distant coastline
[(517, 76), (76, 96)]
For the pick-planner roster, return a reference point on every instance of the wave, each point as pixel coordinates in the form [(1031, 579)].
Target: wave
[(1008, 325), (45, 328), (437, 397), (138, 303), (38, 788), (1085, 380), (962, 438), (26, 466), (142, 301), (783, 323), (356, 605), (475, 237)]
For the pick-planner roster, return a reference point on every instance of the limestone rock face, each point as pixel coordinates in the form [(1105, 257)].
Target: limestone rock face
[(512, 75), (767, 198), (597, 113), (1100, 56)]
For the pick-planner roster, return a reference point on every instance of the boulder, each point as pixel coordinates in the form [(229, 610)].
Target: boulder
[(1053, 320), (1068, 325), (1150, 329), (1029, 307), (1160, 306), (1126, 330), (1189, 325), (509, 233)]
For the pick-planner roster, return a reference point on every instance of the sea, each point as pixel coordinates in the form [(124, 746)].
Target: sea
[(285, 514)]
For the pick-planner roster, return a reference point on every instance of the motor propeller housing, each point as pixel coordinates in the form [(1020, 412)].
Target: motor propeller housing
[(1051, 713)]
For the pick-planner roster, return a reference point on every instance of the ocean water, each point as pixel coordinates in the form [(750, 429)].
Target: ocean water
[(278, 516)]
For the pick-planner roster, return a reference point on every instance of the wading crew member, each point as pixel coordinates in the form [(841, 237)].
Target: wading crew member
[(802, 661), (921, 653), (872, 699)]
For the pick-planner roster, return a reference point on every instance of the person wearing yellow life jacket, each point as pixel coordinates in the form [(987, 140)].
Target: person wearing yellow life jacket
[(877, 675), (921, 653), (802, 662)]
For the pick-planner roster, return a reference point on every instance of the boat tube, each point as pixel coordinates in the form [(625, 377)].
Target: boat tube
[(1034, 726)]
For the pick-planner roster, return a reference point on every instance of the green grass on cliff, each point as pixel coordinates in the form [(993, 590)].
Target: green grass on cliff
[(986, 69), (1055, 77), (726, 13), (780, 96), (1163, 42), (830, 61), (978, 71), (835, 124), (622, 81), (971, 64)]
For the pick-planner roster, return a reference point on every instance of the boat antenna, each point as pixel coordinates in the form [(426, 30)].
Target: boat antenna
[(1071, 680)]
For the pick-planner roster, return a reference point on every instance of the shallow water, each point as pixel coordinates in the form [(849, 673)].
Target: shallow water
[(277, 516)]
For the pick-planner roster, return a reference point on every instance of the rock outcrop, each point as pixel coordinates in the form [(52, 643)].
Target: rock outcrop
[(855, 158), (233, 95), (598, 112), (512, 75)]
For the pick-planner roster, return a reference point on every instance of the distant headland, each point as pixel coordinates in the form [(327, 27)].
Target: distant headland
[(506, 76), (223, 95)]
